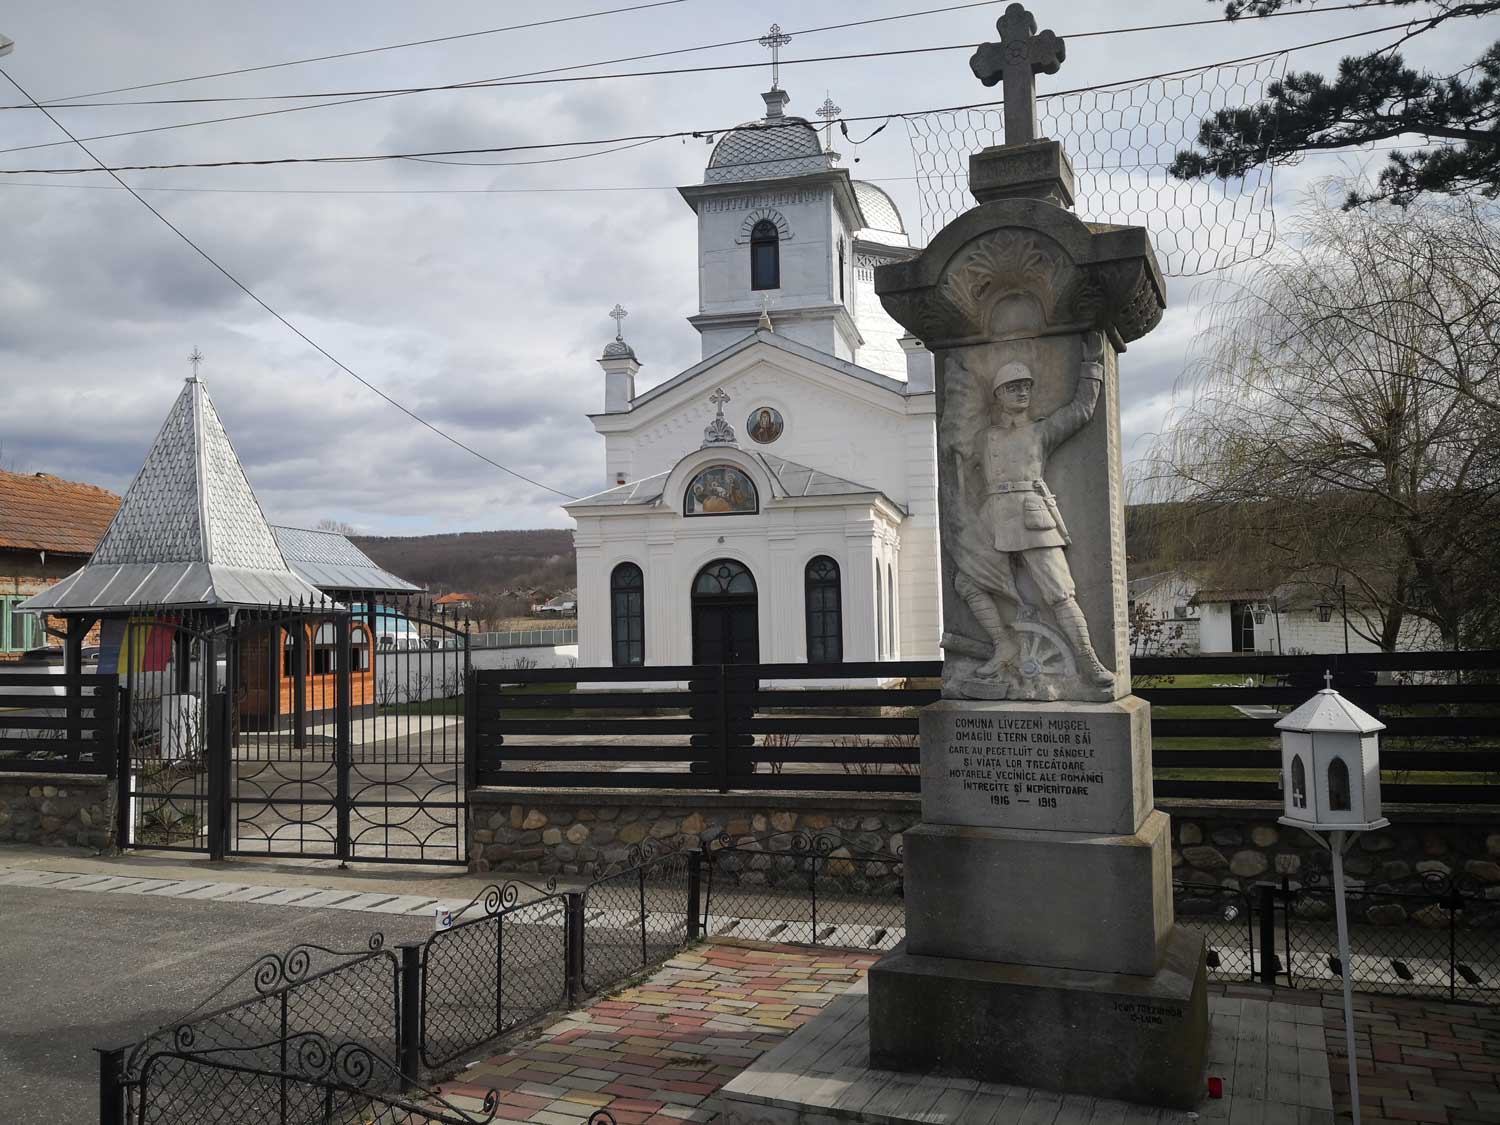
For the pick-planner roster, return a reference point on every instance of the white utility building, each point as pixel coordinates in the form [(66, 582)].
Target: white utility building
[(776, 502)]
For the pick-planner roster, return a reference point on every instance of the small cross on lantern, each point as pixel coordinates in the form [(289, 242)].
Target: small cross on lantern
[(618, 315), (1017, 59)]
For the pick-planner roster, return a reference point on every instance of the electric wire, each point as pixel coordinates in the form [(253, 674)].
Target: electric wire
[(483, 83), (560, 190), (535, 77), (324, 352), (685, 133), (56, 102)]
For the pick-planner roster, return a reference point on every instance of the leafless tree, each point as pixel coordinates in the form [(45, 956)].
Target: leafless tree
[(1342, 419)]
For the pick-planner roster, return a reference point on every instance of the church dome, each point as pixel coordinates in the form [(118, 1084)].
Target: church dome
[(772, 147), (882, 219)]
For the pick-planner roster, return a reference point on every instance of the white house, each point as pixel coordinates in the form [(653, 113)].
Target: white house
[(776, 502)]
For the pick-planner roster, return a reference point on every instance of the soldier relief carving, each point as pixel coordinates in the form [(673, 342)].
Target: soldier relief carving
[(1018, 632)]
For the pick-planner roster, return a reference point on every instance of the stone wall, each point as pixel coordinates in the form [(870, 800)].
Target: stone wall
[(569, 831), (1228, 847), (57, 810)]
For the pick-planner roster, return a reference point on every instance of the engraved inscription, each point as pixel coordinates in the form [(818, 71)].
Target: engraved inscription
[(1040, 760)]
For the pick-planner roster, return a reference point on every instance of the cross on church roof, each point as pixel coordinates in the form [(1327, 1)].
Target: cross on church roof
[(195, 359), (775, 39), (1017, 59), (618, 314)]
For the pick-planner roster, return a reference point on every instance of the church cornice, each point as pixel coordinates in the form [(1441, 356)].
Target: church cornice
[(836, 179)]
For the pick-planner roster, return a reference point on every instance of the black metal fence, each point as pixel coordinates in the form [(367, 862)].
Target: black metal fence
[(1442, 940), (319, 1035), (1441, 744), (56, 722), (793, 887), (854, 726)]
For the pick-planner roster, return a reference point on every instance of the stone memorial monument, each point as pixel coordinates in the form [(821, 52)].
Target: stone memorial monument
[(1040, 945)]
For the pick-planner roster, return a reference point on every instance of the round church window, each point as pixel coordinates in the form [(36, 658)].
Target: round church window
[(764, 424)]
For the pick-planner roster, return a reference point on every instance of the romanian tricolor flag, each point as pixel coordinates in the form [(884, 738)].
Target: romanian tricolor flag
[(141, 644)]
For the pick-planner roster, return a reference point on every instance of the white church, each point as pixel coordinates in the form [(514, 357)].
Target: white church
[(777, 501)]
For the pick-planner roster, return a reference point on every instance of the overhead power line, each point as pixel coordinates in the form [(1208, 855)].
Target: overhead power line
[(360, 51), (484, 83), (681, 133), (353, 97), (324, 352), (551, 190)]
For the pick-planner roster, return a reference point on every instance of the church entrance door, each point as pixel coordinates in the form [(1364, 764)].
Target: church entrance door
[(726, 625)]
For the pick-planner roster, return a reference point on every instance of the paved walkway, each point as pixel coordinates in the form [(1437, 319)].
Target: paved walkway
[(658, 1053), (1418, 1060)]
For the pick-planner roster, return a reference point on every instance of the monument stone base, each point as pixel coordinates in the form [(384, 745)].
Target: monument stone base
[(1066, 900), (1110, 1035)]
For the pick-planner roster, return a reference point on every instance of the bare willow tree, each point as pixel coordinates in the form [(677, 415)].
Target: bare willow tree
[(1342, 421)]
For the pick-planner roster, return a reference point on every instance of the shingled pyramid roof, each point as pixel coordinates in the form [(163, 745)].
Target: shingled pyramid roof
[(189, 531)]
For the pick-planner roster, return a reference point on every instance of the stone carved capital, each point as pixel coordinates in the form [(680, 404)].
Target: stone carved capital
[(1072, 276)]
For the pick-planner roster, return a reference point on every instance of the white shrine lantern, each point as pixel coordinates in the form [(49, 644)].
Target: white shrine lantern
[(1330, 766)]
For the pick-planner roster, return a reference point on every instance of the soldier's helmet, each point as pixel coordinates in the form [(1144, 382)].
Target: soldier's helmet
[(1013, 372)]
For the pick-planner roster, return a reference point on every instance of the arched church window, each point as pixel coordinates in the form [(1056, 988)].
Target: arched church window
[(841, 270), (879, 617), (627, 609), (825, 614), (765, 256), (721, 490), (1299, 783), (724, 578), (1338, 786)]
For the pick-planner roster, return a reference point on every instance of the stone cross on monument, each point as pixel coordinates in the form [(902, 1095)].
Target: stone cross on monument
[(1018, 58), (1040, 944)]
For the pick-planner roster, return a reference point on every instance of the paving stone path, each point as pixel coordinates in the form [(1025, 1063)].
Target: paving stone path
[(658, 1053)]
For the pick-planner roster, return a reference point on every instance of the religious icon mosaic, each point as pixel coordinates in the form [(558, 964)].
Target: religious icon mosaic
[(765, 424), (720, 490)]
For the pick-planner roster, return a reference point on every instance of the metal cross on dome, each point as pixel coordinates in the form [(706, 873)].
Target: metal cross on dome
[(1017, 59), (618, 314), (775, 39), (828, 111)]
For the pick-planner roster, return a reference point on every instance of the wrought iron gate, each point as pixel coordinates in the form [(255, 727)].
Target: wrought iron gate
[(299, 732)]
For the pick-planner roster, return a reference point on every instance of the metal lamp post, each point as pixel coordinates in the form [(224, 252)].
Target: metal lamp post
[(1330, 768)]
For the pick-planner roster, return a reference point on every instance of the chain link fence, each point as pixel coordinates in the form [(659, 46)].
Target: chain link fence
[(1122, 141)]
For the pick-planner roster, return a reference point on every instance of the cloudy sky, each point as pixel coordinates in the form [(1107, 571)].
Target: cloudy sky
[(474, 295)]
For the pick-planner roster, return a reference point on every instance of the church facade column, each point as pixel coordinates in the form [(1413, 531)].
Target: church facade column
[(668, 635), (782, 599), (861, 614)]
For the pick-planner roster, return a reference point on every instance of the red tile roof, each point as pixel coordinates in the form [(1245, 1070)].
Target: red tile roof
[(454, 599), (40, 512)]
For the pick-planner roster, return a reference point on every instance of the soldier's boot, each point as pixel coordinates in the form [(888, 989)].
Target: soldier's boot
[(1075, 627), (987, 613)]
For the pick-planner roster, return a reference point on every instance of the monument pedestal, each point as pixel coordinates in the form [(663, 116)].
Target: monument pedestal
[(1109, 1035), (1040, 948)]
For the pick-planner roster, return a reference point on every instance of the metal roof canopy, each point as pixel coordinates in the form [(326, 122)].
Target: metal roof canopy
[(189, 532), (329, 561)]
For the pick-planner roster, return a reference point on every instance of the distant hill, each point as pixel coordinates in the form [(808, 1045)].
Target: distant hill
[(478, 562)]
